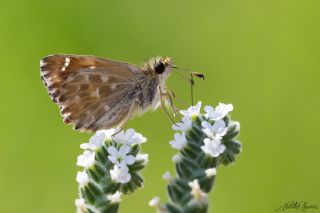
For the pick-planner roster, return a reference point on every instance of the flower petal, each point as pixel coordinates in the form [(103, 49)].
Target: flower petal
[(129, 159), (124, 149), (208, 109), (130, 133), (206, 124), (113, 158), (85, 146), (112, 150)]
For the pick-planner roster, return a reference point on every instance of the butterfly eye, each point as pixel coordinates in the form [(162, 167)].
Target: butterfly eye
[(159, 68)]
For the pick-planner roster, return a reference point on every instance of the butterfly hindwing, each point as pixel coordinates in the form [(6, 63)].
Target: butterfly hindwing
[(92, 92)]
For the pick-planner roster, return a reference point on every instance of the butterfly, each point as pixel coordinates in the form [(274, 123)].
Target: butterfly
[(97, 93)]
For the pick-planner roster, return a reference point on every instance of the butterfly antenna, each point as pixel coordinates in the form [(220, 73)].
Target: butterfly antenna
[(197, 74), (185, 78), (191, 81), (191, 87)]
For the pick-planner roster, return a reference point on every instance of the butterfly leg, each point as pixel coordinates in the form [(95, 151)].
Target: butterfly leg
[(177, 98), (163, 106), (168, 96)]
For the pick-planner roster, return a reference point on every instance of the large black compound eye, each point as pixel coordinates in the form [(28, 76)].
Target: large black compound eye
[(159, 68)]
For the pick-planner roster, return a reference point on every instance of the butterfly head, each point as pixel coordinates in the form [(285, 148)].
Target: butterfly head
[(160, 65)]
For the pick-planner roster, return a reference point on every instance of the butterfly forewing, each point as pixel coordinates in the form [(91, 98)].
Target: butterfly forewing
[(91, 92)]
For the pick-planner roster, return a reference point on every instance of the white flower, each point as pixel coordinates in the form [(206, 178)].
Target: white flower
[(219, 112), (115, 198), (143, 157), (120, 174), (86, 159), (95, 142), (179, 141), (82, 178), (129, 137), (184, 125), (124, 137), (176, 158), (196, 191), (108, 133), (211, 172), (194, 184), (212, 147), (215, 131), (120, 156), (192, 111), (81, 206), (138, 139), (154, 202), (167, 176)]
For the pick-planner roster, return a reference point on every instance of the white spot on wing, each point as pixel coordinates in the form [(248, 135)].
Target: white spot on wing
[(92, 67), (42, 63), (66, 64), (66, 115), (44, 72), (104, 78), (106, 107), (113, 86), (49, 81), (95, 93)]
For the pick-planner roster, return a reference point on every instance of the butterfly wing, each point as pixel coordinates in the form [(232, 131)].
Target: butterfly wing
[(92, 93)]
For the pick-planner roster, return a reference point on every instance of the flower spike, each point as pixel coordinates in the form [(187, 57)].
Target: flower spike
[(204, 141), (111, 168)]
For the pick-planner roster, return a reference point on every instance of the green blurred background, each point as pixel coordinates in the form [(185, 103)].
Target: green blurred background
[(262, 56)]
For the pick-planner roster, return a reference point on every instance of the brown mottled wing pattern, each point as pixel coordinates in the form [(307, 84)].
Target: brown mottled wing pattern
[(92, 93)]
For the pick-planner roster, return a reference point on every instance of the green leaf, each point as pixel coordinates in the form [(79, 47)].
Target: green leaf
[(196, 207), (186, 168), (231, 133), (135, 150), (138, 165), (171, 208), (177, 191)]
